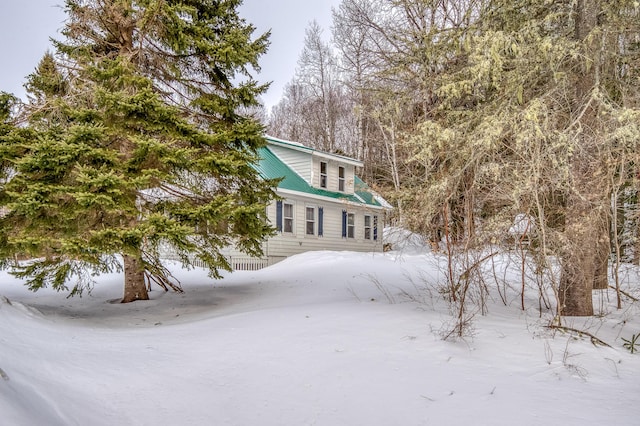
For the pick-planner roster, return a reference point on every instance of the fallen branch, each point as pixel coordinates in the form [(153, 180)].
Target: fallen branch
[(594, 340), (625, 293), (161, 281)]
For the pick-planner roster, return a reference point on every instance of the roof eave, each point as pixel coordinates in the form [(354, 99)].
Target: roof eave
[(329, 199), (346, 160)]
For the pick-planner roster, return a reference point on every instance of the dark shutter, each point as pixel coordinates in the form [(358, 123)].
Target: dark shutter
[(320, 217), (375, 228), (279, 216), (344, 224)]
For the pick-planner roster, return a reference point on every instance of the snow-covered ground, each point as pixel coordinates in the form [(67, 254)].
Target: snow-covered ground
[(324, 338)]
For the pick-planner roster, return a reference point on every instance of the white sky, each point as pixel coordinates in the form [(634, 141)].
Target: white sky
[(27, 25)]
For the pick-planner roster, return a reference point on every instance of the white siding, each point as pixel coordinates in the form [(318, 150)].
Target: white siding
[(287, 244), (299, 162), (332, 175), (308, 167)]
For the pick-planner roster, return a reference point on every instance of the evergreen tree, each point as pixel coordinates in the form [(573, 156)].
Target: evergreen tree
[(135, 143), (7, 103), (537, 110), (7, 127)]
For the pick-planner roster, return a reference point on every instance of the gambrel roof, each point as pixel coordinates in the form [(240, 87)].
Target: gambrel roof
[(272, 167)]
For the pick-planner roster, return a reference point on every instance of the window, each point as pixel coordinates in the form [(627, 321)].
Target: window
[(288, 217), (367, 227), (341, 179), (311, 221), (323, 174), (348, 224), (284, 216), (351, 225)]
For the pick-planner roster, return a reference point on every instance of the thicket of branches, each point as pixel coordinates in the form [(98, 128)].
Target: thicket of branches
[(470, 113)]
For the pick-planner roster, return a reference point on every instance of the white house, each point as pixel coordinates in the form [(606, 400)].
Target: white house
[(323, 206)]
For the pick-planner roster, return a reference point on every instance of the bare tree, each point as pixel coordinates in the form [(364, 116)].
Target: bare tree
[(314, 106)]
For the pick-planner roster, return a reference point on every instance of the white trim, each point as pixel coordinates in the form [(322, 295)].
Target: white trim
[(324, 175), (340, 158), (313, 208), (351, 226), (365, 227), (292, 203), (329, 199), (289, 144)]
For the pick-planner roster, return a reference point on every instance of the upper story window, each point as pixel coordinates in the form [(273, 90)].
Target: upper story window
[(323, 174), (341, 179)]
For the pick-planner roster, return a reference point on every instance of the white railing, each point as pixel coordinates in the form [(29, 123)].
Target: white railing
[(237, 263), (247, 263)]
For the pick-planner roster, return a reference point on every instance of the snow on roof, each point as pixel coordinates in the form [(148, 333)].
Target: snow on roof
[(274, 139)]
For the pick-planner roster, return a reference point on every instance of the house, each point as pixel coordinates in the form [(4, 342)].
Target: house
[(323, 205)]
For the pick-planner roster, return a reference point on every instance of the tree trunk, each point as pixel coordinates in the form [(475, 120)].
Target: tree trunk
[(603, 252), (636, 247), (583, 214), (636, 235), (134, 285), (578, 263)]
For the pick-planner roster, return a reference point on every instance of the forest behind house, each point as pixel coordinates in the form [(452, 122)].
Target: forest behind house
[(487, 123)]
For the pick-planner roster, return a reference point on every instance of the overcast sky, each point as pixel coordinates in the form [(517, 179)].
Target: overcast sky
[(27, 25)]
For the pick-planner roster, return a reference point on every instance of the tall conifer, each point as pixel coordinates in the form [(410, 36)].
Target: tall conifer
[(135, 144)]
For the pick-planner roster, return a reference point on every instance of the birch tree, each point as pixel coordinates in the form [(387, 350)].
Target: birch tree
[(313, 109)]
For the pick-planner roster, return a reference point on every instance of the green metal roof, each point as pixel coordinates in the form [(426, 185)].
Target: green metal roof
[(271, 167)]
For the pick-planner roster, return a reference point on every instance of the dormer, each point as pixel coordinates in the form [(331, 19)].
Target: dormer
[(333, 172), (321, 170)]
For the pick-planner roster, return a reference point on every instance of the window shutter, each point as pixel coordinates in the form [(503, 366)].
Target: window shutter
[(279, 216), (344, 224), (320, 217), (375, 228)]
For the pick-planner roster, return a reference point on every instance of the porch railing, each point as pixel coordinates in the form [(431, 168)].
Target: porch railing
[(238, 263)]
